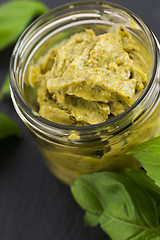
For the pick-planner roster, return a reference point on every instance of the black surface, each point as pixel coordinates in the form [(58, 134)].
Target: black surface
[(33, 204)]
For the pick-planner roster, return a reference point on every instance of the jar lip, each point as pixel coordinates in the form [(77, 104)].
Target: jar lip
[(52, 125)]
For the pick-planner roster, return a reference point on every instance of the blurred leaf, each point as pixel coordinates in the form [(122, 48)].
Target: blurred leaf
[(90, 219), (153, 237), (5, 91), (8, 127), (15, 16)]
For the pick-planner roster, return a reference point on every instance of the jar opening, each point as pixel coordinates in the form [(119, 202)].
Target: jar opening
[(68, 19)]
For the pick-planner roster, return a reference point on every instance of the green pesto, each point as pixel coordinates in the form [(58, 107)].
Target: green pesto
[(88, 79)]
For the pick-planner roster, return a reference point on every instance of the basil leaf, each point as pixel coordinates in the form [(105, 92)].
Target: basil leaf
[(128, 211), (90, 219), (5, 91), (15, 16), (153, 237), (140, 178), (8, 127), (148, 154), (93, 205)]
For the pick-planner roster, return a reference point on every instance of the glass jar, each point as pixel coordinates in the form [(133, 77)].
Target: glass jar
[(72, 151)]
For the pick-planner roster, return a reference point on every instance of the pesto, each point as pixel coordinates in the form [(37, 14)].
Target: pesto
[(88, 79)]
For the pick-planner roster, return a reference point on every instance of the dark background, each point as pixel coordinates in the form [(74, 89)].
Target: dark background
[(33, 204)]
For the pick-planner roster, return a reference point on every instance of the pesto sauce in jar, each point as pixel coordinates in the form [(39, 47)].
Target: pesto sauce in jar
[(90, 78), (86, 80)]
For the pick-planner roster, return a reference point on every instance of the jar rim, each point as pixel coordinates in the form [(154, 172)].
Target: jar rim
[(53, 125)]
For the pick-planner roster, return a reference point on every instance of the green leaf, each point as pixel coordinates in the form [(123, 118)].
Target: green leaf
[(5, 91), (143, 181), (148, 154), (94, 205), (128, 210), (8, 127), (153, 237), (90, 220), (15, 16)]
